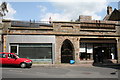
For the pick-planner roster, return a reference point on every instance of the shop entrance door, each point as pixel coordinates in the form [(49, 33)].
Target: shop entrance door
[(101, 55), (67, 51), (98, 55)]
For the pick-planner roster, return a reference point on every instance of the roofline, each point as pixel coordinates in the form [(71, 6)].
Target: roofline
[(89, 22)]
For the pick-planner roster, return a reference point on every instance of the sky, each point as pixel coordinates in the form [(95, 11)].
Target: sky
[(58, 10)]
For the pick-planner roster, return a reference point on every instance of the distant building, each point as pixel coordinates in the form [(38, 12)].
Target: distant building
[(112, 15)]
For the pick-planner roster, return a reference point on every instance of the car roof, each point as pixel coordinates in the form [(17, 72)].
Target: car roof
[(5, 53)]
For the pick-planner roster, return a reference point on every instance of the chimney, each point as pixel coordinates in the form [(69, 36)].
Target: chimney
[(109, 10), (84, 18)]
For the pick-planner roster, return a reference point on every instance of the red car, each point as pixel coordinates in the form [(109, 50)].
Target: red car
[(12, 59)]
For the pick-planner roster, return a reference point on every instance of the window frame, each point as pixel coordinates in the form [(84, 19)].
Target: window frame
[(40, 45), (16, 46)]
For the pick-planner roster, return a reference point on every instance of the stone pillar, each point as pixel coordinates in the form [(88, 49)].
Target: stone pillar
[(0, 37), (118, 42), (76, 47), (5, 30), (58, 45), (4, 43), (0, 19), (118, 49)]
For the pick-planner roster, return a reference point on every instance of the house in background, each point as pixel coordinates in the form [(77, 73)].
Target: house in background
[(112, 15)]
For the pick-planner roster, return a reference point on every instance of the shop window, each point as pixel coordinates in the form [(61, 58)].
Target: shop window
[(35, 51), (85, 56), (113, 51), (86, 51), (82, 56)]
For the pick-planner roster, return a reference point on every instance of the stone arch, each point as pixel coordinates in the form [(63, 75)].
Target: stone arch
[(67, 51)]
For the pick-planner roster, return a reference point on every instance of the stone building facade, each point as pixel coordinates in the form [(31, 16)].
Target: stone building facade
[(59, 42), (84, 40)]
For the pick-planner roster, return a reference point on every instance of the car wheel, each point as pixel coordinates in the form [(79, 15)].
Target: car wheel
[(23, 65)]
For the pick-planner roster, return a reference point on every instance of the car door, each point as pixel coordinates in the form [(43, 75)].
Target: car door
[(12, 59), (3, 58)]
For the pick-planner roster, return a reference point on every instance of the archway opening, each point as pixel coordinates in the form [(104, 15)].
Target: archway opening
[(67, 51)]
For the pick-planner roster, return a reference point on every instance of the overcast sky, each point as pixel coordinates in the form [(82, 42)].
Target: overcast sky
[(58, 10)]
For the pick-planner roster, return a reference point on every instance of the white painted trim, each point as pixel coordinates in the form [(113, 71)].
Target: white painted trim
[(14, 45)]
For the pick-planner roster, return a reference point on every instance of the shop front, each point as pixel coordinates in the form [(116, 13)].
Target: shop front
[(98, 50), (35, 47)]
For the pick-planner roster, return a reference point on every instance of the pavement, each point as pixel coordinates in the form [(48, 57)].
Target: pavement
[(63, 65), (116, 66)]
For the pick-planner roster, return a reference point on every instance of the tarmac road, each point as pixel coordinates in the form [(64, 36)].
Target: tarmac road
[(59, 72)]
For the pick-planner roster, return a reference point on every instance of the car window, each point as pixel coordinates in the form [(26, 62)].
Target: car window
[(0, 55), (11, 56), (3, 55)]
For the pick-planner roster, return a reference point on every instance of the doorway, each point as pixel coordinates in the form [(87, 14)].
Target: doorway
[(99, 55), (102, 55), (67, 51)]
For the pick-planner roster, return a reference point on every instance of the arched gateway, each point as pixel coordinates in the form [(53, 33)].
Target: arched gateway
[(67, 51)]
